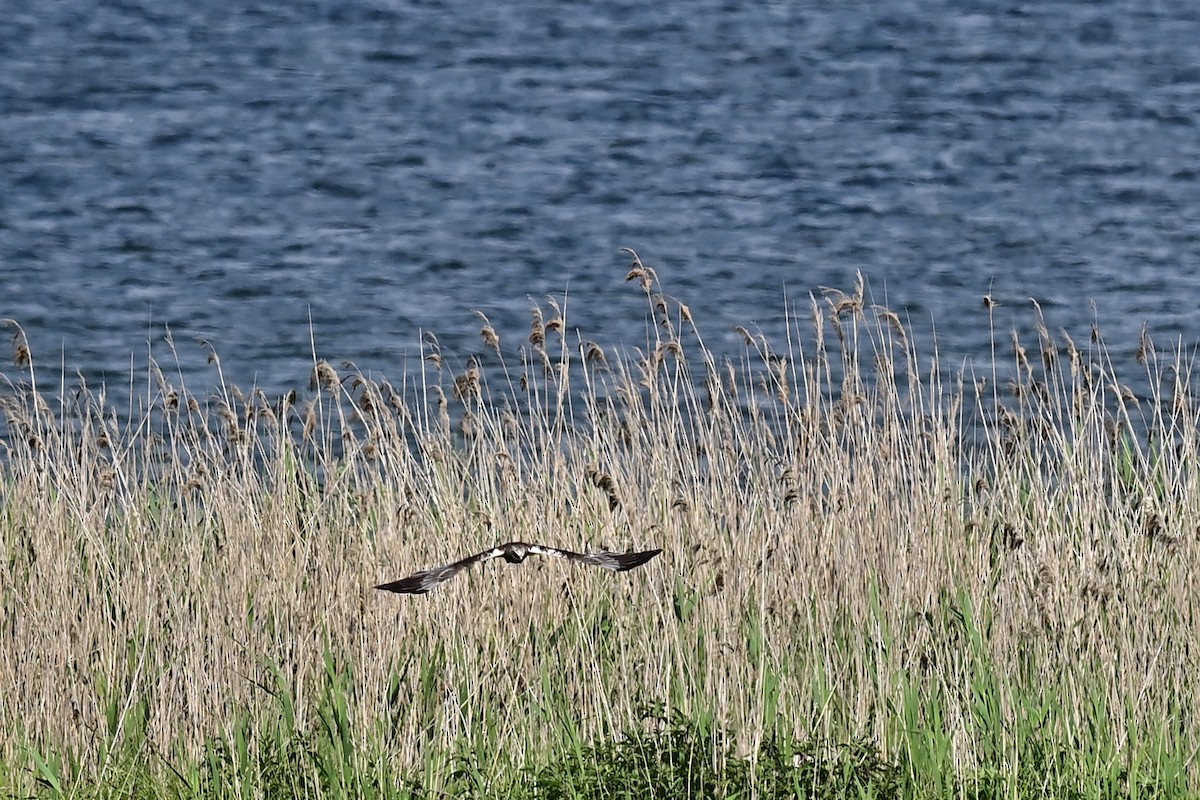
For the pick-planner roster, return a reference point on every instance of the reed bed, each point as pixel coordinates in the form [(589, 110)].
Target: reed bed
[(986, 580)]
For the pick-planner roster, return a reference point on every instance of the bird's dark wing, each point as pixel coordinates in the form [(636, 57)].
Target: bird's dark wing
[(422, 582), (617, 562)]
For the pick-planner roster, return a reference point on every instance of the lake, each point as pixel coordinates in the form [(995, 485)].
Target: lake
[(262, 176)]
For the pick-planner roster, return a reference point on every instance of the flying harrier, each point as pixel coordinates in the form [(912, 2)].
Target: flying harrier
[(514, 553)]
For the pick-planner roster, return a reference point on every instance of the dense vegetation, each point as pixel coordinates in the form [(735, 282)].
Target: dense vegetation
[(880, 578)]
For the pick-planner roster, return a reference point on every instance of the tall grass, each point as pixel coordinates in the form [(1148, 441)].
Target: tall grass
[(874, 566)]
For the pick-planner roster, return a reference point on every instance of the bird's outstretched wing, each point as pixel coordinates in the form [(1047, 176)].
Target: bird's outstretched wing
[(422, 582), (617, 562)]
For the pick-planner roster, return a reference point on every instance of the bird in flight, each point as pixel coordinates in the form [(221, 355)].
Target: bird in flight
[(514, 553)]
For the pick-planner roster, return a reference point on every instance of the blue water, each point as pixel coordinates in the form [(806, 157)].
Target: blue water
[(239, 172)]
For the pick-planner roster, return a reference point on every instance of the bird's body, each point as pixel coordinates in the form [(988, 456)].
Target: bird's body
[(514, 553)]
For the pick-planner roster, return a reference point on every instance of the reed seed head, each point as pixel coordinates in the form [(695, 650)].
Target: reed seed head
[(1143, 346), (555, 323), (324, 377), (21, 355), (640, 272), (594, 354), (490, 339), (537, 330)]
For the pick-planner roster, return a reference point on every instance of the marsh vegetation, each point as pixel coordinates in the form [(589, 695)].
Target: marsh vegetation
[(884, 575)]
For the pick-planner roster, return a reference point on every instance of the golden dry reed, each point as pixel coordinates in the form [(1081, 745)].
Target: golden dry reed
[(859, 541)]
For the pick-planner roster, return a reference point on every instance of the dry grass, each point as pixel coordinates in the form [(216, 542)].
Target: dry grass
[(857, 544)]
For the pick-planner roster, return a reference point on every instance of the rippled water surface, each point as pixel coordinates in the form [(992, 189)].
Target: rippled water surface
[(235, 171)]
